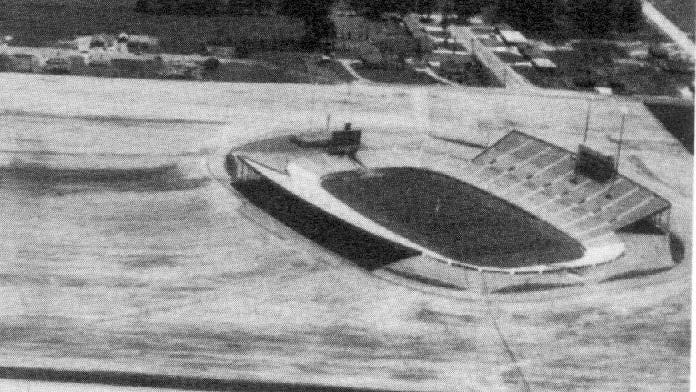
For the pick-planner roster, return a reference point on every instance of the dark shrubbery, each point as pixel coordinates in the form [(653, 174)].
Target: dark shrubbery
[(5, 63), (534, 15), (598, 17), (204, 7), (595, 17), (319, 28), (180, 7)]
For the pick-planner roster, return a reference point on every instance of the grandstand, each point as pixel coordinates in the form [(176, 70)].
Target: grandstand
[(520, 206)]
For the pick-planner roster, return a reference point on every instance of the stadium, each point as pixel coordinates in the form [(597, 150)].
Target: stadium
[(520, 214)]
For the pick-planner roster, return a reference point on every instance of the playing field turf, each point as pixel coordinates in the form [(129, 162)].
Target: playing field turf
[(453, 218)]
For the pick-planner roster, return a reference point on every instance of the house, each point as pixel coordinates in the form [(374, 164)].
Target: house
[(456, 65), (537, 57), (543, 63), (123, 43), (509, 35)]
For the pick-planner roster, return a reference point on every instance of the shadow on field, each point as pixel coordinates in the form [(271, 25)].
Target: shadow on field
[(161, 381), (41, 179), (678, 119), (364, 250), (637, 274)]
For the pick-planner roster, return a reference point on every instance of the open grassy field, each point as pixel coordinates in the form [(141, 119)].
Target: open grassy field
[(403, 75), (38, 23), (137, 260)]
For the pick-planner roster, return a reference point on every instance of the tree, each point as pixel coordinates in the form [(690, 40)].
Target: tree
[(318, 30), (593, 16), (304, 8), (426, 7), (375, 8), (467, 8), (627, 14), (198, 7), (315, 15), (534, 15), (179, 7)]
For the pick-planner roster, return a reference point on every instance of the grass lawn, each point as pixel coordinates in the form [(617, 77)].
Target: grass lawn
[(394, 75), (338, 70), (38, 23), (304, 66), (300, 68), (509, 57), (474, 75)]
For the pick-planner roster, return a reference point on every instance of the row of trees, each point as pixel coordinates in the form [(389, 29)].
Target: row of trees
[(319, 28), (595, 17), (314, 13), (203, 7)]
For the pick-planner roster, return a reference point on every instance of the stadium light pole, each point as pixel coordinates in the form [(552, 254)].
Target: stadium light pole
[(621, 133), (587, 121)]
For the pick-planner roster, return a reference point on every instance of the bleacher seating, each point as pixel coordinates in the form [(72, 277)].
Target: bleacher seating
[(539, 177)]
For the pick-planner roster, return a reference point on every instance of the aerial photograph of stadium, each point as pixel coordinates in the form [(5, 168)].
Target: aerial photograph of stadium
[(346, 195)]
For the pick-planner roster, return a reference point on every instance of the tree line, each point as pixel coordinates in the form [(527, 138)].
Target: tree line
[(204, 7), (596, 17), (314, 13)]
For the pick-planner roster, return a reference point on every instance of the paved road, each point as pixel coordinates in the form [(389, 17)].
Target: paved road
[(669, 28), (502, 70)]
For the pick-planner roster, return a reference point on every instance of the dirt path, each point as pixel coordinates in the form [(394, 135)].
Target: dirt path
[(348, 65), (429, 71)]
